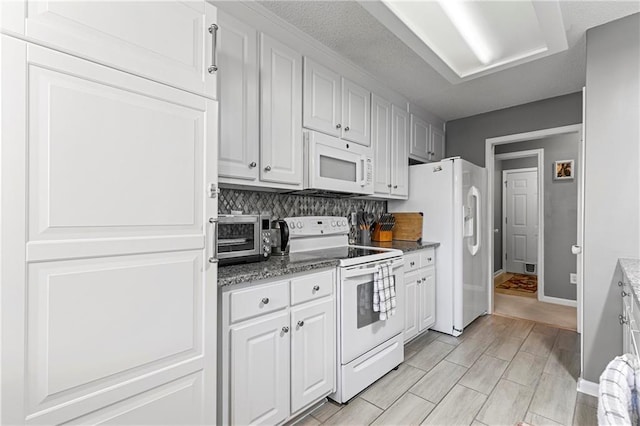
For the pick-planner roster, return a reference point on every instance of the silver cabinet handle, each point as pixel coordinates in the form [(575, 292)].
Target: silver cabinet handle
[(267, 169), (346, 129), (316, 288), (252, 164), (213, 30), (214, 240), (624, 293), (285, 329), (338, 126), (265, 300), (300, 323)]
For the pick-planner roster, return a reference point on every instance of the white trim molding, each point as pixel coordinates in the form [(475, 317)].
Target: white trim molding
[(558, 300), (498, 272), (585, 386)]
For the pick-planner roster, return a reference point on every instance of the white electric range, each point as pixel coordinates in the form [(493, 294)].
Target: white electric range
[(367, 347)]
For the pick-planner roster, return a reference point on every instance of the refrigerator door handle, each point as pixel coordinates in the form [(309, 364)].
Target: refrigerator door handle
[(473, 248)]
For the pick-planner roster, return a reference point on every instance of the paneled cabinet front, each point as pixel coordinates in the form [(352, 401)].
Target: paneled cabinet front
[(113, 317), (172, 42), (335, 105), (420, 288), (427, 140), (278, 349), (389, 136)]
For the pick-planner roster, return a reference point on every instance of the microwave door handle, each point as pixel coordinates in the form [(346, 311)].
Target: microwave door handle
[(363, 172)]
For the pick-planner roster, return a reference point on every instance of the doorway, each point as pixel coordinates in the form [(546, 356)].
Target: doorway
[(555, 278)]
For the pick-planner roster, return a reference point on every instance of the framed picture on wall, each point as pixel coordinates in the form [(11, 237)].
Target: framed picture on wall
[(563, 169)]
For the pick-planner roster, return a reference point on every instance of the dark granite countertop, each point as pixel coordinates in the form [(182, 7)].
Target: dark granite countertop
[(405, 246), (631, 270), (276, 266)]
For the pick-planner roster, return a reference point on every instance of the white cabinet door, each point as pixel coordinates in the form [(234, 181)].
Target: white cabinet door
[(112, 298), (313, 352), (280, 113), (420, 135), (238, 73), (322, 105), (399, 157), (437, 144), (381, 142), (411, 305), (260, 370), (356, 111), (166, 41), (427, 298)]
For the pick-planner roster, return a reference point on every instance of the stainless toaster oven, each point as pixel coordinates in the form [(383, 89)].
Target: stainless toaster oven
[(243, 238)]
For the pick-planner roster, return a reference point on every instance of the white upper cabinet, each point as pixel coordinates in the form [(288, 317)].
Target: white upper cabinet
[(399, 159), (355, 113), (166, 41), (390, 139), (334, 105), (420, 137), (322, 109), (381, 142), (238, 92), (281, 147), (437, 143)]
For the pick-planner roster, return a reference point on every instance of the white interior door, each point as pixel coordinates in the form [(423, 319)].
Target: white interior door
[(113, 296), (520, 218)]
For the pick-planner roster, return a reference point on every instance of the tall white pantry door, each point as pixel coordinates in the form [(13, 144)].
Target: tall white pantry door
[(108, 299)]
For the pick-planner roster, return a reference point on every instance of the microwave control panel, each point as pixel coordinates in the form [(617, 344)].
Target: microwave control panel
[(317, 225)]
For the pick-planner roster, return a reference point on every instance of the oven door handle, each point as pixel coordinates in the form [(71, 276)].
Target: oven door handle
[(358, 272)]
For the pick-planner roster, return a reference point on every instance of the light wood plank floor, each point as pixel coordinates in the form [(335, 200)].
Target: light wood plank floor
[(532, 309), (499, 372)]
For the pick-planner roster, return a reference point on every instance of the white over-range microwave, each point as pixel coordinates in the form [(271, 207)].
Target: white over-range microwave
[(335, 165)]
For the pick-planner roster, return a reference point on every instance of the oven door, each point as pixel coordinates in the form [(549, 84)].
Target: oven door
[(336, 165), (360, 327), (238, 236)]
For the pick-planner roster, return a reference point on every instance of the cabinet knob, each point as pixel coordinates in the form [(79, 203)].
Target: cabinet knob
[(300, 323), (620, 283), (412, 263), (346, 129), (395, 186), (267, 169), (622, 320), (419, 281), (285, 329), (424, 279), (316, 287), (429, 259), (252, 164), (265, 300), (338, 126), (624, 293), (389, 185)]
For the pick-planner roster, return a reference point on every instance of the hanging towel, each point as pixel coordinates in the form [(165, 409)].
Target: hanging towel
[(618, 392), (384, 292)]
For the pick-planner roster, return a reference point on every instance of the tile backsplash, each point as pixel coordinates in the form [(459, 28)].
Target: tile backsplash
[(287, 205)]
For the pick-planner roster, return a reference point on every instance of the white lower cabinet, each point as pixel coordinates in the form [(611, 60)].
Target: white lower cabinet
[(278, 353), (420, 292)]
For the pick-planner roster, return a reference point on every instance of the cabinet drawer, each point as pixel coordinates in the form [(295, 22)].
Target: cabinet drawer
[(411, 262), (259, 300), (427, 257), (311, 287)]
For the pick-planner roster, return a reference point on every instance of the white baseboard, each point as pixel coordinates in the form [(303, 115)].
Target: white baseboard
[(587, 387), (498, 272), (557, 301)]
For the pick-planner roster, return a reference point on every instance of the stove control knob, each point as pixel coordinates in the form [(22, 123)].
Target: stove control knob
[(344, 223), (266, 240), (292, 225), (333, 223), (300, 224)]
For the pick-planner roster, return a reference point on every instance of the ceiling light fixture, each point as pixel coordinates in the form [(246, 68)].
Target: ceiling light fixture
[(462, 18)]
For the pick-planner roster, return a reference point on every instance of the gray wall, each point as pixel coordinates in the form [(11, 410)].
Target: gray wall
[(500, 165), (612, 199), (466, 136), (560, 210)]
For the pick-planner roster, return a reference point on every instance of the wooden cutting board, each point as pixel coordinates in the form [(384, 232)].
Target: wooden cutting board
[(408, 226)]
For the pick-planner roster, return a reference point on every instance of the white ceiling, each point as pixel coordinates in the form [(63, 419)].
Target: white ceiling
[(347, 28)]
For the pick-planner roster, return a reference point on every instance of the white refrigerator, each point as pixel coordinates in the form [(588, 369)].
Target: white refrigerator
[(452, 195)]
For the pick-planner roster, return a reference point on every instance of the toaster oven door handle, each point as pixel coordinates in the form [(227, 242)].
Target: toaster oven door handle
[(214, 240)]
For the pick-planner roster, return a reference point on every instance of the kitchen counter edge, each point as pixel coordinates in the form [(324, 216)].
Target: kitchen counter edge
[(631, 270), (405, 246)]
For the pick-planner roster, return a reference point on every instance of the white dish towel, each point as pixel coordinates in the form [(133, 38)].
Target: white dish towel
[(618, 392), (384, 292)]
